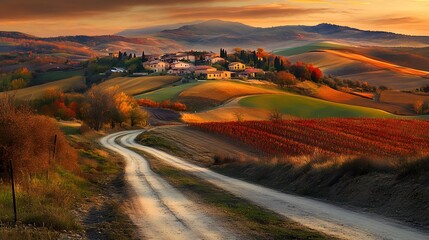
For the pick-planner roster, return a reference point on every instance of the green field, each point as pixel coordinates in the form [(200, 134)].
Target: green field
[(307, 107), (166, 93), (309, 48), (46, 77)]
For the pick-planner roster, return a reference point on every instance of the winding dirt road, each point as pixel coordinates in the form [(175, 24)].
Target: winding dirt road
[(162, 212), (323, 217)]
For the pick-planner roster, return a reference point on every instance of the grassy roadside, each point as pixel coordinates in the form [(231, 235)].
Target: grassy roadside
[(83, 204), (255, 222)]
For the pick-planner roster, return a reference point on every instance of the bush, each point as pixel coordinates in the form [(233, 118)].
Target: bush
[(26, 139)]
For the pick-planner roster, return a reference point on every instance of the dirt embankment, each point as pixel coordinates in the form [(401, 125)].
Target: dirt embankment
[(360, 185)]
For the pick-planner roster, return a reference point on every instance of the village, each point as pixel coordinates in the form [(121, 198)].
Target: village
[(202, 66)]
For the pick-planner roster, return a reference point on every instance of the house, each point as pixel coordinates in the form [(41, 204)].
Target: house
[(250, 73), (198, 70), (156, 66), (118, 70), (184, 65), (237, 66), (179, 71), (184, 56), (215, 60), (216, 75), (210, 55)]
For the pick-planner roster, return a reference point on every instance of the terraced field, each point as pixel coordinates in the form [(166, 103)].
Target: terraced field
[(166, 93), (139, 85)]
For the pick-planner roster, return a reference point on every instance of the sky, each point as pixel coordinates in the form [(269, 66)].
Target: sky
[(98, 17)]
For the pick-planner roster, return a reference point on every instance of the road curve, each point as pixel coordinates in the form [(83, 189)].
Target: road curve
[(162, 211), (323, 217)]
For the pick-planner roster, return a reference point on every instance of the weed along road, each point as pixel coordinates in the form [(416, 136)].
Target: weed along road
[(168, 213), (161, 211)]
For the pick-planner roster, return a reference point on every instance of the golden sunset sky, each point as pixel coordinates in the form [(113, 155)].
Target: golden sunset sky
[(95, 17)]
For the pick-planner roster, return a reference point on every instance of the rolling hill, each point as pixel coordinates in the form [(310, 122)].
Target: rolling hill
[(213, 34), (34, 92)]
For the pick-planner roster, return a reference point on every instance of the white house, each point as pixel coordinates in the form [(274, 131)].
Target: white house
[(183, 65), (184, 56), (156, 66), (117, 70), (215, 60), (237, 66)]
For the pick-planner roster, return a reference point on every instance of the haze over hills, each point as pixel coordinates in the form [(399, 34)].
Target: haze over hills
[(217, 33)]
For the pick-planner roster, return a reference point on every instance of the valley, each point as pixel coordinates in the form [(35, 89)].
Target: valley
[(215, 129)]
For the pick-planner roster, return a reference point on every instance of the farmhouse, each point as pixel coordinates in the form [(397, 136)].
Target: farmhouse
[(179, 71), (237, 66), (210, 55), (215, 60), (183, 65), (184, 56), (156, 66), (250, 73), (216, 75), (198, 70)]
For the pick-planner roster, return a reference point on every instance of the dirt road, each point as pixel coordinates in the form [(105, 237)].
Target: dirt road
[(314, 214), (161, 211)]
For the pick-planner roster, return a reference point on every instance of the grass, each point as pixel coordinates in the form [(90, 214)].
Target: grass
[(138, 85), (309, 48), (69, 202), (151, 140), (44, 203), (47, 77), (167, 93), (34, 92), (255, 221), (307, 107)]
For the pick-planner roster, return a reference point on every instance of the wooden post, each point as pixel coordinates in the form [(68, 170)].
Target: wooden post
[(13, 191), (55, 148)]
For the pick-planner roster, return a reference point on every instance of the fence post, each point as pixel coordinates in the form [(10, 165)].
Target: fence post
[(13, 190), (55, 148)]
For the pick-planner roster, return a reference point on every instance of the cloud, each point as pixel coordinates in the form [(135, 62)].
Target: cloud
[(41, 9), (397, 21), (242, 12)]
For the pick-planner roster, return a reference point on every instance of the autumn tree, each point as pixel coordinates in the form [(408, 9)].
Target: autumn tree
[(285, 79), (98, 106), (138, 117), (418, 106)]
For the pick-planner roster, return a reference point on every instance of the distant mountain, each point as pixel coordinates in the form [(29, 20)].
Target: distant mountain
[(17, 35), (150, 30), (92, 45), (213, 34)]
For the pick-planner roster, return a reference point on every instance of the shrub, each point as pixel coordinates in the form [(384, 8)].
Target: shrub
[(26, 139)]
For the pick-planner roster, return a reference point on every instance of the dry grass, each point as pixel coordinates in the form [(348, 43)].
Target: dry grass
[(65, 85), (359, 68), (221, 91), (332, 95), (403, 98), (379, 64), (134, 86)]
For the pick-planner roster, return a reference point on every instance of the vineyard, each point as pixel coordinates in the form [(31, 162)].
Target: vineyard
[(357, 137)]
